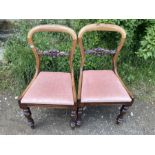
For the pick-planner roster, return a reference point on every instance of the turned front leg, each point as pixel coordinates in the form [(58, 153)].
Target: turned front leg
[(123, 111), (79, 117), (73, 118), (27, 114)]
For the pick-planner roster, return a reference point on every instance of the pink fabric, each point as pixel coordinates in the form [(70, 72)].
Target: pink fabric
[(50, 88), (102, 86)]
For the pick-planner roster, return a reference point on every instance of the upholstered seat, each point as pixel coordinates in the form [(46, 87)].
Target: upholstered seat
[(50, 88), (102, 86)]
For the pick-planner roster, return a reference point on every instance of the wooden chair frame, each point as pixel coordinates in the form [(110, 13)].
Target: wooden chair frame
[(102, 27), (26, 107)]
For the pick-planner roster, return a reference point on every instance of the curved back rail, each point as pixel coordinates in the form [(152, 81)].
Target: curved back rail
[(51, 28), (100, 27)]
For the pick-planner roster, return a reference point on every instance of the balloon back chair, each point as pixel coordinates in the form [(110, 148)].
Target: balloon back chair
[(102, 87), (50, 89)]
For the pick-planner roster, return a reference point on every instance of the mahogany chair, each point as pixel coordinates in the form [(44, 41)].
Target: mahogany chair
[(50, 89), (102, 87)]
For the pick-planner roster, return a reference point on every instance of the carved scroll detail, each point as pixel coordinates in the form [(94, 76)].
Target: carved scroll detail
[(100, 52), (54, 53)]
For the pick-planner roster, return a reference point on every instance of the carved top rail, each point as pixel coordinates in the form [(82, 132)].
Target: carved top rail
[(54, 53), (100, 52)]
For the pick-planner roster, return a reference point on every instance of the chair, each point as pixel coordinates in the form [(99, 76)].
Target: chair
[(50, 89), (102, 87)]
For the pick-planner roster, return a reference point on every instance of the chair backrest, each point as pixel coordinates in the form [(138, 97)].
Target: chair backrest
[(54, 53), (99, 51)]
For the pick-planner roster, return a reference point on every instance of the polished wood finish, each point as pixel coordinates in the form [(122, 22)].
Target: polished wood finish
[(38, 55), (103, 27)]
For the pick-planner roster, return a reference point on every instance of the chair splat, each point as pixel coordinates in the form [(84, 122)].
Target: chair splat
[(100, 52), (54, 53)]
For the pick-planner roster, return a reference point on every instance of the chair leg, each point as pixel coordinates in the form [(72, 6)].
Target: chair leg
[(73, 118), (123, 111), (79, 115), (27, 114)]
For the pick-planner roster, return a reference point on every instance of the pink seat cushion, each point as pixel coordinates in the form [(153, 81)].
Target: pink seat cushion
[(50, 88), (102, 86)]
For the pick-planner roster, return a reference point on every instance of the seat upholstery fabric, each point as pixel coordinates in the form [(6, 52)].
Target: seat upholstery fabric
[(50, 88), (102, 86)]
